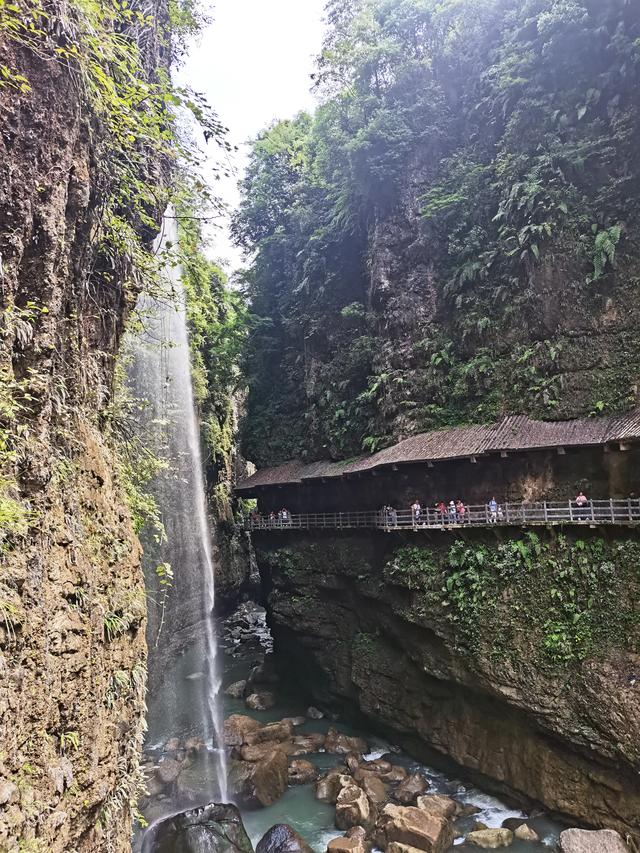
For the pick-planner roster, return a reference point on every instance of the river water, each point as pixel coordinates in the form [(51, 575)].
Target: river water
[(314, 820)]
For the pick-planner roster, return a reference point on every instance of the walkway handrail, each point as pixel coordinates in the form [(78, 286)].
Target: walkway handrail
[(607, 511)]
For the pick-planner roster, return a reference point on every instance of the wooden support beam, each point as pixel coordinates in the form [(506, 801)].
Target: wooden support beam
[(430, 464), (624, 446), (561, 451), (504, 454), (473, 459)]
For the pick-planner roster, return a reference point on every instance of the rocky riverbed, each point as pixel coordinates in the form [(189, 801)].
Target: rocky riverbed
[(303, 782)]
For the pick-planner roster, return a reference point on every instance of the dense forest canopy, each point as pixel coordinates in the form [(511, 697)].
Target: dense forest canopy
[(454, 233)]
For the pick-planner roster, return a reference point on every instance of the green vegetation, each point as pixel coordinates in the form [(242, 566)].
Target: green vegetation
[(216, 315), (454, 232), (556, 602)]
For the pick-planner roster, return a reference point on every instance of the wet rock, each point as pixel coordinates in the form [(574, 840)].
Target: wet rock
[(264, 673), (261, 782), (302, 772), (490, 839), (271, 733), (352, 761), (295, 721), (378, 765), (215, 828), (328, 788), (375, 789), (468, 810), (237, 727), (168, 770), (438, 804), (308, 744), (396, 774), (349, 844), (525, 833), (412, 827), (282, 838), (314, 713), (596, 841), (410, 789), (341, 744), (260, 751), (172, 744), (194, 744), (236, 690), (353, 808), (262, 701)]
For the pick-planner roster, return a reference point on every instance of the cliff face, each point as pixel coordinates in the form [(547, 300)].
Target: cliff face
[(72, 606), (517, 659)]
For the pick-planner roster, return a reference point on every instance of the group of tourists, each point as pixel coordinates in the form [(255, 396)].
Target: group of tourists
[(282, 518)]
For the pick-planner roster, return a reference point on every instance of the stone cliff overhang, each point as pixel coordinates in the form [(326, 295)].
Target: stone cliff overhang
[(514, 434)]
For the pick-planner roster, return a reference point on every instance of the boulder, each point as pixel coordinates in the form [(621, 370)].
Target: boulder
[(282, 838), (396, 774), (410, 789), (346, 844), (592, 841), (353, 808), (525, 833), (328, 788), (302, 772), (194, 744), (378, 766), (260, 751), (412, 827), (271, 733), (216, 828), (375, 789), (438, 805), (172, 744), (490, 839), (295, 721), (307, 744), (341, 744), (237, 727), (314, 713), (352, 760), (264, 673), (168, 770), (262, 701), (261, 782), (396, 847), (236, 690)]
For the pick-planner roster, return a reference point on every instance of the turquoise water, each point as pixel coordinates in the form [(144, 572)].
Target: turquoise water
[(315, 820)]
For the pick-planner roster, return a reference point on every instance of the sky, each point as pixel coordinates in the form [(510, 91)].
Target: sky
[(254, 64)]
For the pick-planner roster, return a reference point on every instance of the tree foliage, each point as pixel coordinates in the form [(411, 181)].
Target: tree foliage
[(439, 241)]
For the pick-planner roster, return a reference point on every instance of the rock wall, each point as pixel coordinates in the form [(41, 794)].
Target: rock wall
[(72, 605), (509, 657)]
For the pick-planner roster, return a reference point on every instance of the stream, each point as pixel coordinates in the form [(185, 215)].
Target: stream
[(314, 820)]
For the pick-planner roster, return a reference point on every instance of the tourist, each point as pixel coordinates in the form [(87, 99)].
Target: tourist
[(581, 502), (416, 512), (285, 517), (492, 506), (452, 512), (272, 519), (392, 515), (461, 512), (441, 510)]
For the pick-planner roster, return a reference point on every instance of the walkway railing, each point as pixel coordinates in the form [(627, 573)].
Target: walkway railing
[(541, 513)]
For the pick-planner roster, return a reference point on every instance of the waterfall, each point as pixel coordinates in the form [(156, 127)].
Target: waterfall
[(184, 678)]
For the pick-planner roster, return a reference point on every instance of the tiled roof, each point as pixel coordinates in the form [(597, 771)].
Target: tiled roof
[(515, 432)]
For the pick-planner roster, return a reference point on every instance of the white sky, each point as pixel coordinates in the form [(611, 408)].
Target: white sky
[(253, 64)]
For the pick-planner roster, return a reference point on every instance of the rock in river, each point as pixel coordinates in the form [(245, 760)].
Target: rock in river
[(302, 772), (236, 690), (413, 827), (585, 841), (410, 789), (262, 701), (491, 839), (343, 744), (261, 782), (282, 838), (215, 828), (353, 808)]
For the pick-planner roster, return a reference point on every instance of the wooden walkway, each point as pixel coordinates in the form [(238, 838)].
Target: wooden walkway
[(544, 513)]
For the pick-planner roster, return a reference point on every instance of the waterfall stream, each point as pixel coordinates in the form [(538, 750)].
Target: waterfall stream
[(184, 677)]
